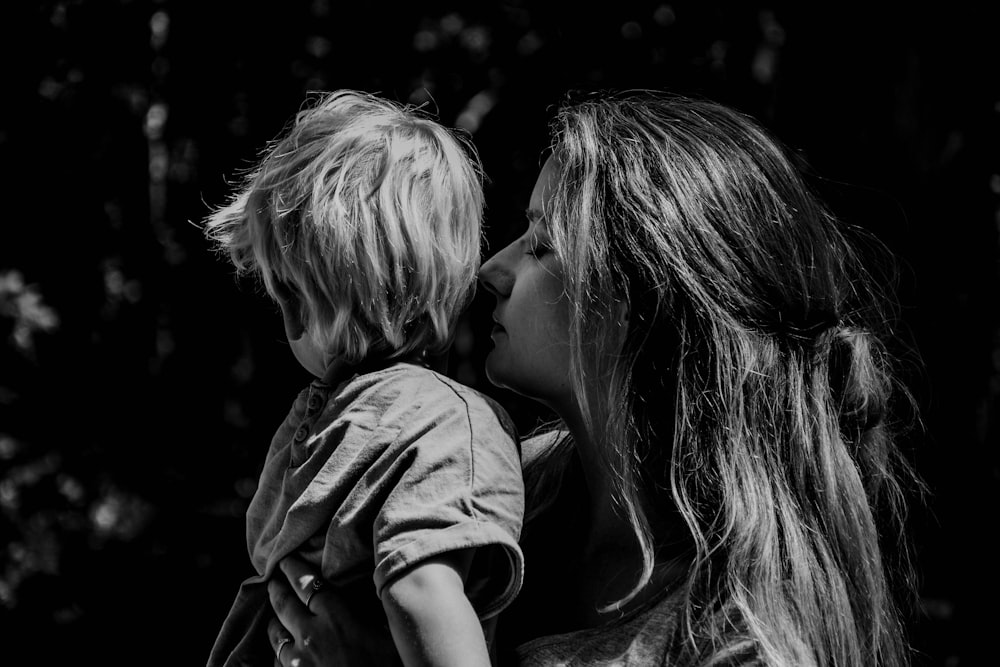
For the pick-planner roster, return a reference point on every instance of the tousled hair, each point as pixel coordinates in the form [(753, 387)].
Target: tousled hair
[(751, 397), (370, 213)]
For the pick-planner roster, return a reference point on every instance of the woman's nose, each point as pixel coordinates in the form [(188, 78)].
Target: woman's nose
[(495, 277)]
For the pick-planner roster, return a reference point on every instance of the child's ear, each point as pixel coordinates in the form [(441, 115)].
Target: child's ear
[(291, 310)]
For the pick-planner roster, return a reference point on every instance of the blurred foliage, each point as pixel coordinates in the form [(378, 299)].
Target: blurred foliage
[(140, 383)]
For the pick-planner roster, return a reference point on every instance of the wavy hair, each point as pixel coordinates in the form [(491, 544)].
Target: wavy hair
[(751, 397), (371, 213)]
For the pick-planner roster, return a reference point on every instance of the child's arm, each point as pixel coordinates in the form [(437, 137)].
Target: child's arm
[(431, 619)]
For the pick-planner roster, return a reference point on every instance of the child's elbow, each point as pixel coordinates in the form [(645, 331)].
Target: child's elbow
[(410, 591)]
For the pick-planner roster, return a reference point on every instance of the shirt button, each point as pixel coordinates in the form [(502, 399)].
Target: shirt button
[(302, 433), (315, 403)]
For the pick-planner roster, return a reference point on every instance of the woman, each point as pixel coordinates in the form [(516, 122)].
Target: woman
[(723, 487)]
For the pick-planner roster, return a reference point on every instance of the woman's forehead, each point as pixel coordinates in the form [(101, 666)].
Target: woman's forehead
[(535, 216), (544, 185)]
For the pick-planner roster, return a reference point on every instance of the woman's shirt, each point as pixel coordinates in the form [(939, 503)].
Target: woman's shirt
[(641, 640), (542, 627)]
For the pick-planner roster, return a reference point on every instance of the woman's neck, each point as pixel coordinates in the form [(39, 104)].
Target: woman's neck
[(611, 552), (607, 530)]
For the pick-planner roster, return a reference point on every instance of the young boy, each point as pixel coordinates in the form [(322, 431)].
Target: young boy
[(364, 222)]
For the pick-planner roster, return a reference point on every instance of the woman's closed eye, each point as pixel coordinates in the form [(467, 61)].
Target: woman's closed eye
[(538, 243), (538, 250), (536, 237)]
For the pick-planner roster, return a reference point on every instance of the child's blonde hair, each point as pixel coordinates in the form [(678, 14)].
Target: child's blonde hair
[(370, 213)]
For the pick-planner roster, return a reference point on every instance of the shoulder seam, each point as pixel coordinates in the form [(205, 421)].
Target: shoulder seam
[(471, 482)]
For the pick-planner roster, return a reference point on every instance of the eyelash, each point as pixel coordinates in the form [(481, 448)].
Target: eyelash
[(540, 250)]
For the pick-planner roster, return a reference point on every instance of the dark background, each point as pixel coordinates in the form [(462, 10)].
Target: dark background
[(140, 383)]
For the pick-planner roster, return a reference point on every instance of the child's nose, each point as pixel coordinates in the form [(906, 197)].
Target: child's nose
[(495, 277)]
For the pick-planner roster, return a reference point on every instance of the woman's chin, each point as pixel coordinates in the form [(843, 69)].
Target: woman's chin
[(493, 374), (499, 374)]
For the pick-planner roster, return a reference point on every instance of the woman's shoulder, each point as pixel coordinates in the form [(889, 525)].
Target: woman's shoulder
[(654, 636), (642, 639)]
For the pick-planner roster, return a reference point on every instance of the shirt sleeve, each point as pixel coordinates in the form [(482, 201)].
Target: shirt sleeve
[(458, 486)]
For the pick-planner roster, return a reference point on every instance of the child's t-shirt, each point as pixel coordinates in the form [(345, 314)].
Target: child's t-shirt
[(374, 476)]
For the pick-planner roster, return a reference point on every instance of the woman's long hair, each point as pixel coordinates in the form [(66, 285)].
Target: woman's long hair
[(748, 393)]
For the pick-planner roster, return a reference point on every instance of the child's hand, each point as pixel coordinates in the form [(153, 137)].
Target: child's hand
[(322, 632)]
